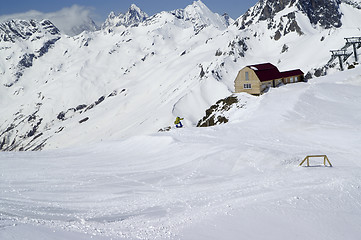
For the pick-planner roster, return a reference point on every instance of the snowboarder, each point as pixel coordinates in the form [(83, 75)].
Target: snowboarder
[(178, 123)]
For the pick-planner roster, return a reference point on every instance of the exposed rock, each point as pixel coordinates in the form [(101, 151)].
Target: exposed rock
[(12, 30), (101, 99), (165, 129), (215, 114), (325, 13), (84, 120), (239, 46), (201, 75), (284, 48), (277, 35), (47, 45), (219, 53), (80, 107), (26, 61)]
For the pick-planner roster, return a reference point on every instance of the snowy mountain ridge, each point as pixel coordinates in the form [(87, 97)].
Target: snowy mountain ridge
[(197, 13), (70, 21), (61, 91), (200, 15), (134, 15), (23, 42), (26, 30), (324, 13)]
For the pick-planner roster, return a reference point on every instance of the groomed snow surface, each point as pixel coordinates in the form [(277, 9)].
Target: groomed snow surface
[(240, 180)]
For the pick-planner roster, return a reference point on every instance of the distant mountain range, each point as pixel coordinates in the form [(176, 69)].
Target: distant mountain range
[(136, 73)]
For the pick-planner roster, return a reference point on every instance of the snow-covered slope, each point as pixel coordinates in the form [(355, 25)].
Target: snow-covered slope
[(133, 80), (238, 180), (21, 43)]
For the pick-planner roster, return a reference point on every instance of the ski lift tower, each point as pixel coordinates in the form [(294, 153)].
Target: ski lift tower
[(354, 41), (339, 54)]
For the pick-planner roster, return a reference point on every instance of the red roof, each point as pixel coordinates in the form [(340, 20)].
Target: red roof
[(267, 72), (263, 66), (292, 73)]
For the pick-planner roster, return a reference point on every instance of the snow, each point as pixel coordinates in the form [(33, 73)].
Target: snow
[(240, 179), (201, 14), (115, 176), (348, 16)]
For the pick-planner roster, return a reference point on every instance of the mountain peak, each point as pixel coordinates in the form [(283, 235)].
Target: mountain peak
[(134, 8), (111, 15), (198, 7), (199, 3), (133, 16), (201, 16)]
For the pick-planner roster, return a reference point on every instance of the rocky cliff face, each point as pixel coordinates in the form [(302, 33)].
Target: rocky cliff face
[(323, 13), (13, 30)]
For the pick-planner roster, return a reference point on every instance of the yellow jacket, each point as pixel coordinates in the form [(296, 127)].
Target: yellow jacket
[(177, 120)]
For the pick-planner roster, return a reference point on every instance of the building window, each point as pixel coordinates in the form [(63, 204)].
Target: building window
[(296, 79), (247, 86), (291, 80), (247, 76)]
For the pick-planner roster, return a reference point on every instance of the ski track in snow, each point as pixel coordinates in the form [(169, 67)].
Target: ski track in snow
[(232, 181)]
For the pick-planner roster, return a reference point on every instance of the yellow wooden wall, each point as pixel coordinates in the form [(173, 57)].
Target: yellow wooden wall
[(253, 80), (288, 80)]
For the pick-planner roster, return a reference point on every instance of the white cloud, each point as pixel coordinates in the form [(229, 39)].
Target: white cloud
[(72, 20)]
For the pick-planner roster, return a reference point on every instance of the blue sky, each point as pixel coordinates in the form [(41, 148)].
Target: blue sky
[(101, 9)]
